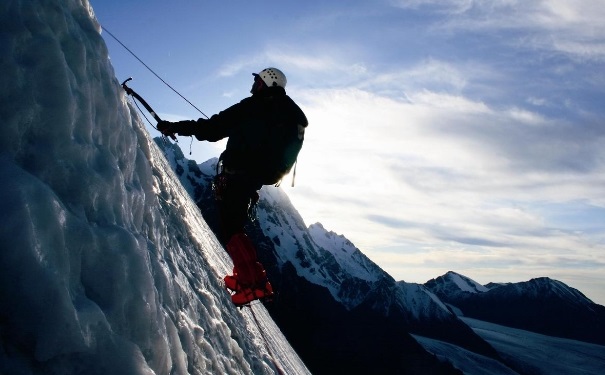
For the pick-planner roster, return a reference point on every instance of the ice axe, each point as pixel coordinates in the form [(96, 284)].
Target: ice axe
[(138, 97)]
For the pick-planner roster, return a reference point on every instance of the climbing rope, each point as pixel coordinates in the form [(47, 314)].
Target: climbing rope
[(266, 341), (257, 322), (151, 70)]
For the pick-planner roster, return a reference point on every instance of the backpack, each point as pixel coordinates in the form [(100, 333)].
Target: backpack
[(268, 138), (282, 143)]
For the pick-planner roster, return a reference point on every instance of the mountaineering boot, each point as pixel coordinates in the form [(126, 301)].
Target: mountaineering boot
[(262, 288), (247, 295), (231, 281), (249, 279)]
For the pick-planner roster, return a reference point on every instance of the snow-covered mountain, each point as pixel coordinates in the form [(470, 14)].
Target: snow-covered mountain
[(326, 290), (453, 285), (106, 265), (318, 273), (320, 256), (540, 305)]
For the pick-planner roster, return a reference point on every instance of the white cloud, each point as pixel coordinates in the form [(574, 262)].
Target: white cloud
[(441, 172), (446, 102), (573, 27), (403, 158), (247, 63), (428, 73), (526, 117), (451, 6)]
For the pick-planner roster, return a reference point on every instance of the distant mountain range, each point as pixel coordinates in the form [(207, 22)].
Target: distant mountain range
[(539, 305), (344, 314)]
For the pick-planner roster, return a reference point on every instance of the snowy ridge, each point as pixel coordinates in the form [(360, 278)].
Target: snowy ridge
[(465, 284), (295, 244), (106, 265), (413, 298), (544, 286), (331, 260), (348, 256), (453, 284)]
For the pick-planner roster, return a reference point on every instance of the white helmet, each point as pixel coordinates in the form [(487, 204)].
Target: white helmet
[(273, 77)]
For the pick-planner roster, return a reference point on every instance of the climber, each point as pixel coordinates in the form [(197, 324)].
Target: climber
[(266, 132)]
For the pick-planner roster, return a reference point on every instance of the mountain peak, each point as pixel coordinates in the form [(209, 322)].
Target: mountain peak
[(541, 305), (545, 287), (454, 284)]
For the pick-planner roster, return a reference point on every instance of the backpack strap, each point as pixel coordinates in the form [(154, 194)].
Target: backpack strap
[(294, 172), (278, 184)]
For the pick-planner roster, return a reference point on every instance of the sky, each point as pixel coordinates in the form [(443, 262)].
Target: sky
[(462, 135)]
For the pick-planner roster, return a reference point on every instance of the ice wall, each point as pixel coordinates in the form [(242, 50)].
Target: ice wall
[(106, 266)]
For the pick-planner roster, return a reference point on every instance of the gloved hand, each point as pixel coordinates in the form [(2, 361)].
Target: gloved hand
[(166, 127), (185, 128)]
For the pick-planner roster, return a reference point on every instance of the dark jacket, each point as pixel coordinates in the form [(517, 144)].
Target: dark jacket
[(243, 124)]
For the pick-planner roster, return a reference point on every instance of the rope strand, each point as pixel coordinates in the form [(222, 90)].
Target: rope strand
[(151, 70), (266, 342)]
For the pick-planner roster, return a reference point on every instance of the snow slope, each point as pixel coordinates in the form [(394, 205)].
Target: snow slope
[(534, 353), (106, 265), (468, 362), (523, 352)]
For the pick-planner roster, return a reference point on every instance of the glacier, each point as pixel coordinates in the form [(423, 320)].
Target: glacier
[(106, 265)]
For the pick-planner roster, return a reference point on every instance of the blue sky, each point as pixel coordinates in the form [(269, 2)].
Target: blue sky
[(444, 135)]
